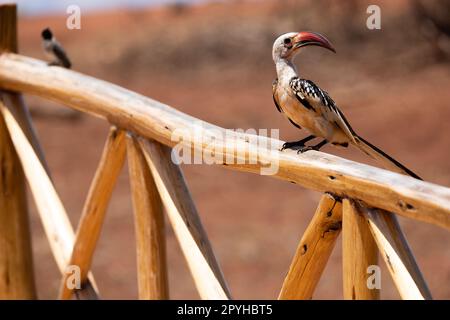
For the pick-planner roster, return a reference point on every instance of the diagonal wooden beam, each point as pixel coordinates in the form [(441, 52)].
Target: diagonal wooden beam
[(54, 218), (359, 251), (94, 209), (313, 251), (149, 225), (185, 221), (396, 253), (16, 105)]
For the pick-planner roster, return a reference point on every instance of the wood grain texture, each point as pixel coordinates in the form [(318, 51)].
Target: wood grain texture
[(149, 226), (16, 105), (313, 251), (359, 251), (94, 210), (8, 27), (185, 221), (16, 262), (396, 253), (390, 191), (53, 215)]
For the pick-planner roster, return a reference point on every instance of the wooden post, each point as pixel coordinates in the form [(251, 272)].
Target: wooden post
[(8, 28), (149, 225), (94, 209), (16, 263), (359, 251), (396, 253), (313, 250), (185, 221)]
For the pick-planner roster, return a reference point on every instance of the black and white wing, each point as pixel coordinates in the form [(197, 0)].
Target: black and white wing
[(317, 100)]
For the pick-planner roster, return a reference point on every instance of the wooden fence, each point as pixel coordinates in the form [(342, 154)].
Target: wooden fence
[(359, 200)]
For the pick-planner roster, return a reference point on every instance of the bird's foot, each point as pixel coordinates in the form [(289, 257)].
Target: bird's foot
[(315, 147), (307, 148)]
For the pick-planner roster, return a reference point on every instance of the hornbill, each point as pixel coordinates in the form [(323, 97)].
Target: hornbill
[(54, 49), (307, 106)]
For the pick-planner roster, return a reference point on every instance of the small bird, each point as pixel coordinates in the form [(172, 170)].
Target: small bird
[(307, 106), (54, 49)]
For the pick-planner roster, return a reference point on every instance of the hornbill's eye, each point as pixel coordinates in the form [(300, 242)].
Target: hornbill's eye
[(287, 41)]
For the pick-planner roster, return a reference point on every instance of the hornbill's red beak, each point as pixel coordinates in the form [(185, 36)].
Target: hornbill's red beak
[(306, 38)]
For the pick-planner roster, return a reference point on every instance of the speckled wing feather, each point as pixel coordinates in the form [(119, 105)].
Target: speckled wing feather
[(317, 100)]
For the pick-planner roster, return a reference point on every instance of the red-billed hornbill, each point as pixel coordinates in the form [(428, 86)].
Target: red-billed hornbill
[(307, 106)]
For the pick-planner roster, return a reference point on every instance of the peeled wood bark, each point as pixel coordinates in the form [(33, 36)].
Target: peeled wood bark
[(314, 170), (149, 225), (396, 253), (53, 215), (16, 262), (94, 210), (359, 251), (313, 250), (185, 221)]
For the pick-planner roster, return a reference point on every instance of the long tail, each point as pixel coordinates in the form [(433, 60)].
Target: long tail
[(377, 154), (64, 60)]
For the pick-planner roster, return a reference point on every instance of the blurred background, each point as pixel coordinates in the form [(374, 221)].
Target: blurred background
[(212, 60)]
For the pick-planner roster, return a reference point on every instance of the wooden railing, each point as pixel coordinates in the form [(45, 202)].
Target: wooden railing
[(358, 199)]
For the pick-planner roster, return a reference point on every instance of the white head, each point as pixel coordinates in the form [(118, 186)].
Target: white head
[(287, 45)]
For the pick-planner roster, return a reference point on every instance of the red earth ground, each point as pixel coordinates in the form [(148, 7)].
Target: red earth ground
[(214, 62)]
